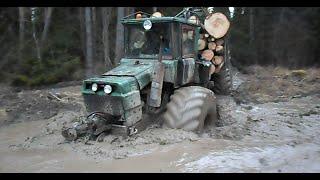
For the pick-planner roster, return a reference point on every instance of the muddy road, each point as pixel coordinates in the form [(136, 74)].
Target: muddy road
[(261, 128)]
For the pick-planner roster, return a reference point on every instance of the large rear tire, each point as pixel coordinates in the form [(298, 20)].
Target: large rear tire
[(190, 108)]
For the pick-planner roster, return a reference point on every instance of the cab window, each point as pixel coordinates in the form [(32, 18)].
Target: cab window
[(188, 41)]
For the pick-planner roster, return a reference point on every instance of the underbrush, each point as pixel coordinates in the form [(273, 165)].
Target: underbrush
[(33, 72)]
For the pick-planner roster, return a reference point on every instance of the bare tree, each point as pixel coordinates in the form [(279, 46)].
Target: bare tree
[(105, 13), (119, 35), (21, 30), (89, 56), (82, 30), (47, 20), (94, 32), (251, 26), (34, 32)]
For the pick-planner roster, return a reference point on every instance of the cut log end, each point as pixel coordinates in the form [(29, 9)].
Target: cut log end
[(219, 48), (219, 42), (218, 68), (217, 25), (207, 55), (212, 69), (218, 60), (201, 44), (212, 45)]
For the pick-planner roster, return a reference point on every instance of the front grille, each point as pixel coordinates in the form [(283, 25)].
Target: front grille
[(107, 104)]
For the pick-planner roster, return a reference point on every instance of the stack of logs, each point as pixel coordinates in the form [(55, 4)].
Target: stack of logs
[(211, 49), (211, 41)]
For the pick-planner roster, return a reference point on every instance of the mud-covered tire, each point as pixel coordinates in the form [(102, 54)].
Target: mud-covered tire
[(190, 108), (223, 79)]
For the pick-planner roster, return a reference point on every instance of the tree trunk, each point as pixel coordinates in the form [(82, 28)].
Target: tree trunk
[(82, 31), (251, 26), (34, 32), (105, 13), (89, 56), (47, 20), (276, 35), (201, 44), (94, 33), (119, 36), (21, 31)]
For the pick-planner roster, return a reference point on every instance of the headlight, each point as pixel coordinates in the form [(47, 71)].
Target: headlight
[(94, 87), (147, 24), (107, 89)]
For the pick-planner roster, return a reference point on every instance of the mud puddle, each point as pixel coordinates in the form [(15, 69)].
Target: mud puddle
[(268, 135)]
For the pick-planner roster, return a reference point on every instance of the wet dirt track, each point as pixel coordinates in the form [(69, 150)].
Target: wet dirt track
[(273, 136)]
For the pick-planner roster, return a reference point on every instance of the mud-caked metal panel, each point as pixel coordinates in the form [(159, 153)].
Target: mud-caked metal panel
[(132, 116), (107, 104), (131, 100), (186, 69)]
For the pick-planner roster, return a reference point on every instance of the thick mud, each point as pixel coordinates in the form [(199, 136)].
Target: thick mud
[(250, 136)]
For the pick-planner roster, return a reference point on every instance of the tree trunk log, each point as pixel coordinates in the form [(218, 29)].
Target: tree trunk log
[(212, 45), (219, 48), (201, 44), (217, 25), (207, 54), (219, 42), (218, 68), (218, 60), (212, 69)]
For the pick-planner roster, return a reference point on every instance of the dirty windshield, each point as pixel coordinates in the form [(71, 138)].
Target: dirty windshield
[(146, 43)]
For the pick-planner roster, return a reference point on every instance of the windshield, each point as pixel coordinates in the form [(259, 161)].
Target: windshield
[(141, 43)]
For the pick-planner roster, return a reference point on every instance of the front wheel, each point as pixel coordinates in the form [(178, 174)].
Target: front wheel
[(190, 108)]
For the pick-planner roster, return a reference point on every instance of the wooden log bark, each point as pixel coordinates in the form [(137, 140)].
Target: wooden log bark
[(207, 54), (201, 44), (217, 25)]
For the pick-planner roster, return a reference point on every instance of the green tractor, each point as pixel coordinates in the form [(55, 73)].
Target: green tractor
[(160, 75)]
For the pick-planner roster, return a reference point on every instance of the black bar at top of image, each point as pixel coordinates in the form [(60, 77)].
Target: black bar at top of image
[(157, 3)]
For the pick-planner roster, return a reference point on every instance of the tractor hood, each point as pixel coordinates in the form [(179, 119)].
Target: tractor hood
[(140, 71)]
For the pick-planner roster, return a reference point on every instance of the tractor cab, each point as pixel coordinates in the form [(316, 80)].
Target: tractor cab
[(143, 31)]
